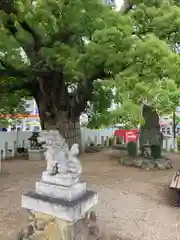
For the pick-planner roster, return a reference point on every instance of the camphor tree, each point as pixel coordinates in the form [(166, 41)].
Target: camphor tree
[(47, 50), (162, 19), (71, 54), (150, 84)]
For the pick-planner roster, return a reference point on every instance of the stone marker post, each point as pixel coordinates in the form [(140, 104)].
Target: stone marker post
[(60, 207)]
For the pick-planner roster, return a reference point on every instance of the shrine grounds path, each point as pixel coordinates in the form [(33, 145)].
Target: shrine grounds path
[(133, 203)]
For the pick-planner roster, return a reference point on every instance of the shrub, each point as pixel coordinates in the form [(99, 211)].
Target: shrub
[(111, 141), (178, 143), (155, 151), (172, 150), (91, 144), (132, 149), (118, 140)]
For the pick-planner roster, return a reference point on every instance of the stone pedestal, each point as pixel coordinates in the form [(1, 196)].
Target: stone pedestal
[(67, 193), (58, 212), (46, 227), (60, 206), (36, 154), (66, 210)]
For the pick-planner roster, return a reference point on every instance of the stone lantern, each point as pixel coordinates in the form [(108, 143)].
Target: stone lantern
[(33, 141), (36, 152)]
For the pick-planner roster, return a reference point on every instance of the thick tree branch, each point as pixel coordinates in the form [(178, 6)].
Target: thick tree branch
[(10, 71), (36, 37), (64, 37), (84, 93), (13, 87), (10, 25), (8, 7)]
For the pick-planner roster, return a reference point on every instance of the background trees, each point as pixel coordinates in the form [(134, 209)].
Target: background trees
[(162, 19), (152, 76)]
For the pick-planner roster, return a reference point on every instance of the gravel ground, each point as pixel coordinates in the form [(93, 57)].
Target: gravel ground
[(134, 204)]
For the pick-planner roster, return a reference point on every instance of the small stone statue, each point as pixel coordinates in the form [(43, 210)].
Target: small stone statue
[(61, 161)]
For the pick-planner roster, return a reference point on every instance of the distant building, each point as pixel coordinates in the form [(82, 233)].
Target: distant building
[(166, 123), (110, 2), (31, 122)]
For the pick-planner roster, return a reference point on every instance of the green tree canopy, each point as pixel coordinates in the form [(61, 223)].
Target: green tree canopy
[(151, 72)]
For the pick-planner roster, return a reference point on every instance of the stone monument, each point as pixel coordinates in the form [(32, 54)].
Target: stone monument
[(60, 207), (35, 152)]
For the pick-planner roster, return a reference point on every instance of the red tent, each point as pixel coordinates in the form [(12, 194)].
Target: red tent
[(127, 135)]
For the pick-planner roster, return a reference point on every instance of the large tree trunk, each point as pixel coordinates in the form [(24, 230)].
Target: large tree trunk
[(150, 131), (56, 111), (68, 127)]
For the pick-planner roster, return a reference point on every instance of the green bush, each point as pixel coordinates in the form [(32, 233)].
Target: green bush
[(155, 151), (111, 141), (178, 143), (118, 140), (132, 149)]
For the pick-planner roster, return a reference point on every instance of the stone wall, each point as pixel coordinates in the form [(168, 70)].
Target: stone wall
[(46, 227)]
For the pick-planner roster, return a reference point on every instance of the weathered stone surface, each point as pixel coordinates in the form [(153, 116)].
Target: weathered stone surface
[(59, 205), (137, 162), (150, 131), (63, 165), (44, 217), (40, 224), (128, 162), (26, 232), (151, 164), (68, 193), (39, 236), (163, 164), (169, 164), (69, 211), (56, 229), (30, 218), (36, 154), (121, 160), (147, 164), (52, 231)]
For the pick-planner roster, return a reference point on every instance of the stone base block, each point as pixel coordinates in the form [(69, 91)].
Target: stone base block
[(67, 193), (63, 180), (65, 210), (36, 154), (46, 227)]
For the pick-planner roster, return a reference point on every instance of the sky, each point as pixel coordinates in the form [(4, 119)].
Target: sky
[(119, 3)]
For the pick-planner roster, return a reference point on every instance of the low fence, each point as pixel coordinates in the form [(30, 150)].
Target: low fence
[(95, 136), (10, 141)]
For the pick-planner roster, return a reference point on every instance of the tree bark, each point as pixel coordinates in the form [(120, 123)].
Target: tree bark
[(55, 114), (68, 128), (150, 132)]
